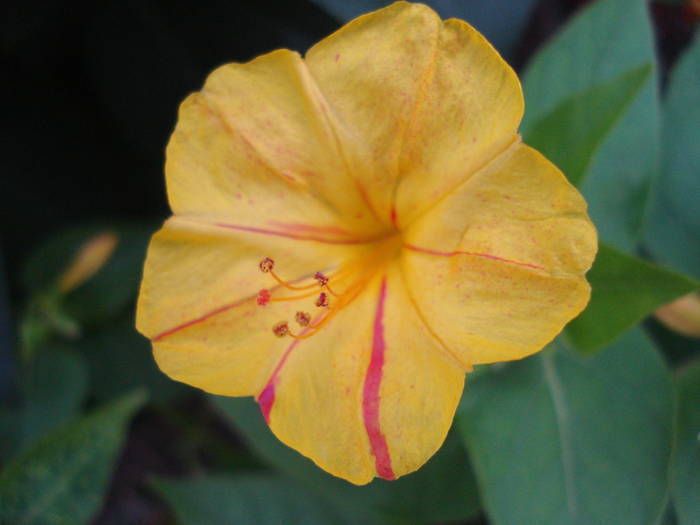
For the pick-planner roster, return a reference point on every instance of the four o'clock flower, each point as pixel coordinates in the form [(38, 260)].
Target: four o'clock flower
[(353, 230)]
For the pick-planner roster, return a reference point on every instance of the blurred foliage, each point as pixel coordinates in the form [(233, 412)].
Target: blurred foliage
[(686, 464), (442, 490), (581, 433), (247, 499), (63, 478)]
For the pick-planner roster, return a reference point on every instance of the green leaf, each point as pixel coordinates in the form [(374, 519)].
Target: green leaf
[(673, 230), (625, 289), (245, 499), (62, 479), (442, 490), (55, 387), (601, 43), (563, 439), (572, 132), (686, 467)]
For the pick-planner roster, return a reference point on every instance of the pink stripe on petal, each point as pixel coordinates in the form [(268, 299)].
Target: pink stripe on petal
[(288, 235), (267, 397), (474, 254), (370, 399)]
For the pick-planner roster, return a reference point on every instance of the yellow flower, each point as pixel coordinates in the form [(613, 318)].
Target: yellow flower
[(388, 161)]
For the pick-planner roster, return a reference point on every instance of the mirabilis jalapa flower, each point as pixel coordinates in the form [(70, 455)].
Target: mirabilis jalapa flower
[(353, 230)]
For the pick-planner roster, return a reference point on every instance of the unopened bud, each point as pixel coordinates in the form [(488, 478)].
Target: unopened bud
[(682, 315), (90, 257)]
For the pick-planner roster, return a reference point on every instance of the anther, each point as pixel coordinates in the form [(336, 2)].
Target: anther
[(322, 300), (266, 265), (263, 297), (322, 279), (302, 318), (281, 329)]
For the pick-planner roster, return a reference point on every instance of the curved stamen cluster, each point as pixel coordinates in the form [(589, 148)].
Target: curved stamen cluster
[(302, 318)]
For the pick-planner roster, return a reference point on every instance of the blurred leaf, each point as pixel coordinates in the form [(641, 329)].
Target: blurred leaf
[(673, 230), (625, 289), (686, 471), (62, 479), (601, 43), (120, 359), (249, 499), (10, 421), (111, 289), (442, 490), (560, 439), (572, 132), (502, 23), (55, 386)]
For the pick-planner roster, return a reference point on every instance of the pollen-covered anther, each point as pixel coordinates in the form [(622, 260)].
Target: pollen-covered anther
[(281, 329), (263, 297), (322, 300), (266, 265), (302, 318), (322, 279)]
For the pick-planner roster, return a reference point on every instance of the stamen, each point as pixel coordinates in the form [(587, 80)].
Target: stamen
[(302, 318), (322, 300), (281, 329), (263, 297), (322, 279), (292, 297), (266, 265)]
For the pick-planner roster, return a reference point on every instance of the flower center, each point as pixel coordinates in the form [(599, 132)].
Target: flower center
[(329, 292)]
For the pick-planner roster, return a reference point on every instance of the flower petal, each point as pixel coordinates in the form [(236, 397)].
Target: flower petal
[(419, 103), (198, 301), (255, 146), (497, 267), (371, 72), (370, 372), (468, 115)]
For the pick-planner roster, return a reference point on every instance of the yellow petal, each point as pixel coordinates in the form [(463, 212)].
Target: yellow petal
[(469, 113), (255, 146), (497, 267), (371, 72), (373, 393), (198, 301), (420, 104)]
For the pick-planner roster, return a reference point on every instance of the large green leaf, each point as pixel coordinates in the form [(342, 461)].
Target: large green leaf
[(502, 23), (62, 479), (673, 230), (563, 439), (686, 472), (605, 40), (625, 289), (55, 385), (572, 132), (246, 499), (442, 490)]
